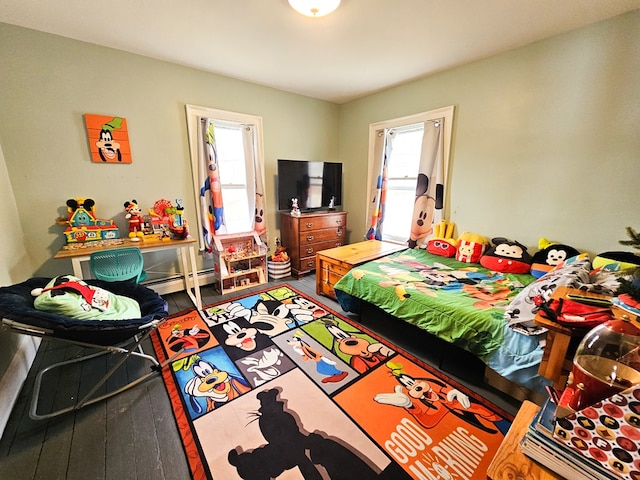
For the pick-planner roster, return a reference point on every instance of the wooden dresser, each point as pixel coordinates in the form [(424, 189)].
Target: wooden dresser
[(309, 233)]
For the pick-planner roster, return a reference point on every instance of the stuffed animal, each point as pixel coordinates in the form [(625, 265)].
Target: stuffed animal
[(442, 243), (616, 261), (506, 256), (470, 247), (136, 222), (550, 256), (280, 255), (295, 209)]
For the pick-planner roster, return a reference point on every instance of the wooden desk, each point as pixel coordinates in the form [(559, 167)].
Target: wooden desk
[(509, 461), (555, 365), (148, 245), (332, 264)]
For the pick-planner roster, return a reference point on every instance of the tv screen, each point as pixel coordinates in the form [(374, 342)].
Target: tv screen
[(313, 183)]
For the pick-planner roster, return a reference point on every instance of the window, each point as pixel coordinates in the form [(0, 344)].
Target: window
[(401, 181), (226, 150), (405, 135), (233, 176)]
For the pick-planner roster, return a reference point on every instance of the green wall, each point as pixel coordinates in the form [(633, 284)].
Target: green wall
[(546, 138), (49, 82)]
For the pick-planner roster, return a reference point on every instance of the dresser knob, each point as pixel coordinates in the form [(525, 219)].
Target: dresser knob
[(309, 250), (310, 237), (309, 224)]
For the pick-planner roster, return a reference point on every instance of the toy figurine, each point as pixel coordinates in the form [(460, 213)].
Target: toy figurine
[(295, 210), (136, 222)]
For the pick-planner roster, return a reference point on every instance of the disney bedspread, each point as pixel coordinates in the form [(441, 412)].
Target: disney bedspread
[(461, 303)]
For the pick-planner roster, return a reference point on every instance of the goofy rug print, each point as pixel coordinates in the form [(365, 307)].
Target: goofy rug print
[(275, 386)]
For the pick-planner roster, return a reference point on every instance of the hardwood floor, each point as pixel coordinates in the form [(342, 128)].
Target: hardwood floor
[(133, 435)]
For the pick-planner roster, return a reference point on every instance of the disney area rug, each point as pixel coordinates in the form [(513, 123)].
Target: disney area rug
[(274, 385)]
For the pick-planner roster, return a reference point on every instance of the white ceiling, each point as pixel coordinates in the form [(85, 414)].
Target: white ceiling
[(363, 47)]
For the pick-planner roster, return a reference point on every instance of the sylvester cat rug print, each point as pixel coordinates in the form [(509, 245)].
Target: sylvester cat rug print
[(274, 385)]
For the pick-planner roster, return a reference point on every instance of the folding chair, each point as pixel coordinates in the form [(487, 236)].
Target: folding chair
[(118, 337)]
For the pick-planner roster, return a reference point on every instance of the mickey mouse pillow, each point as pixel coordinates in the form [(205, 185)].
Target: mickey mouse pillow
[(506, 256)]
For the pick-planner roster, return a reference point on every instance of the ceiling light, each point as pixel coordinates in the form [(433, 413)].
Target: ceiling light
[(314, 8)]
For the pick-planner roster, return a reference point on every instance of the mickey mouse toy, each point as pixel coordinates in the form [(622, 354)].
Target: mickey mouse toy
[(136, 222)]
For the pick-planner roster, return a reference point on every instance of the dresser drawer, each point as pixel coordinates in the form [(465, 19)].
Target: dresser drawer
[(305, 235), (308, 263), (320, 222), (320, 236), (309, 250)]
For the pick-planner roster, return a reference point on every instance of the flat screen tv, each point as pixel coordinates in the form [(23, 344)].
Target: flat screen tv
[(313, 183)]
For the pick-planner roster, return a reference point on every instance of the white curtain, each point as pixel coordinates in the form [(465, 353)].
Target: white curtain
[(255, 191), (378, 189), (211, 205), (429, 201)]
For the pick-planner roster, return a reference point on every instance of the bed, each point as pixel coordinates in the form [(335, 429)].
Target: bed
[(463, 304)]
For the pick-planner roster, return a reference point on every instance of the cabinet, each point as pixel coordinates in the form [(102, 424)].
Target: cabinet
[(239, 261), (308, 233), (333, 264)]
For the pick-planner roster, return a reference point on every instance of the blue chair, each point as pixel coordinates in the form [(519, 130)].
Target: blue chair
[(118, 264)]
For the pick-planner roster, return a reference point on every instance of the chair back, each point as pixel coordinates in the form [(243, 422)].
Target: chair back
[(118, 264)]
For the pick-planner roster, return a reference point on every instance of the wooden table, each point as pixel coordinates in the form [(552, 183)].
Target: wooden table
[(184, 247), (332, 264), (557, 359), (509, 461)]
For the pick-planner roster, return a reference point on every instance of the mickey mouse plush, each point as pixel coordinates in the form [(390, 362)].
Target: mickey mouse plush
[(507, 256), (136, 222)]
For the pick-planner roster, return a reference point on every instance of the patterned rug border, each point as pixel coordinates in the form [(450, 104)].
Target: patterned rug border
[(192, 446)]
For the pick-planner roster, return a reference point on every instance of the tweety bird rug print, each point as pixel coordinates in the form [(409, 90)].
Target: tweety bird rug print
[(274, 385)]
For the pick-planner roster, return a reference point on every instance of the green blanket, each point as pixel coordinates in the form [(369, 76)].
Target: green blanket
[(461, 303)]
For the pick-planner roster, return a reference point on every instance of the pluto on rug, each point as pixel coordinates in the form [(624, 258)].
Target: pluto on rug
[(275, 385)]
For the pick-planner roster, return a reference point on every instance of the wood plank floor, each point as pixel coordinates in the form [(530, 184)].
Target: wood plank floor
[(133, 435)]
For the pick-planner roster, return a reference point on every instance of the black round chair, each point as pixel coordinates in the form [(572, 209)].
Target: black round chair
[(120, 337)]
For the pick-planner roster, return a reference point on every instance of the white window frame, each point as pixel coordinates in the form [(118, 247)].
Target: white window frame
[(444, 112), (194, 113)]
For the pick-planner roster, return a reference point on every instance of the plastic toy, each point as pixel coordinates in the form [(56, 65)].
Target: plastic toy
[(83, 224), (167, 217), (136, 222)]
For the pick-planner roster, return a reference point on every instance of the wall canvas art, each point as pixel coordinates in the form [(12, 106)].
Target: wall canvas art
[(108, 138)]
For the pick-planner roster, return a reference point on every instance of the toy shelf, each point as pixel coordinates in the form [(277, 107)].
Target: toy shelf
[(240, 261)]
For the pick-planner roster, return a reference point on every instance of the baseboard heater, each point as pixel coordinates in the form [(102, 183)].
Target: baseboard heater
[(175, 283)]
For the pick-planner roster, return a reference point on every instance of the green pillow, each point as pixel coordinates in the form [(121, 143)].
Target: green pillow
[(72, 297)]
